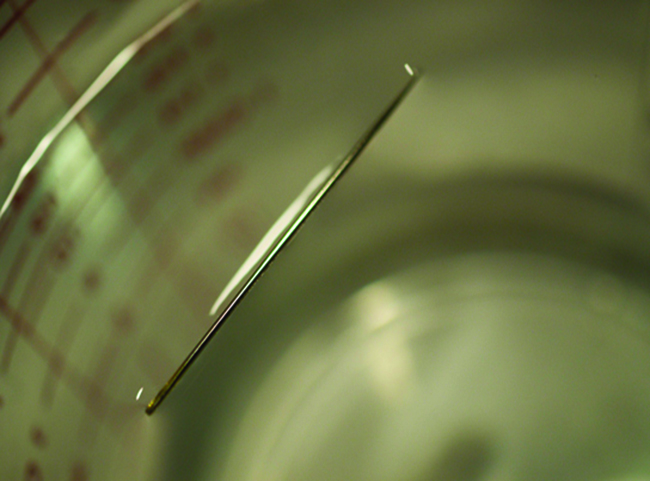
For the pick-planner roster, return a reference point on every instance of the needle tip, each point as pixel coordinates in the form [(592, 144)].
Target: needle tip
[(155, 402)]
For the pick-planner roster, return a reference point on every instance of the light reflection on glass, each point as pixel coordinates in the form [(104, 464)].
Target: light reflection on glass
[(113, 68), (271, 238), (375, 306), (391, 364)]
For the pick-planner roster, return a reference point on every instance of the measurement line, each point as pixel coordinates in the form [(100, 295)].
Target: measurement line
[(164, 247), (37, 288), (21, 198), (94, 396), (8, 285), (61, 83), (76, 109), (49, 62), (79, 384), (49, 65), (17, 15), (12, 338), (6, 226), (38, 280), (63, 342), (106, 362), (140, 206), (165, 254), (100, 377), (15, 269), (35, 291)]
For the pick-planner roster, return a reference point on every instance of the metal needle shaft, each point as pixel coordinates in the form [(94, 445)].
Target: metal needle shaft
[(283, 238)]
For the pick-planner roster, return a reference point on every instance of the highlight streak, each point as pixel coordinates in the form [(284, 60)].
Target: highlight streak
[(104, 78)]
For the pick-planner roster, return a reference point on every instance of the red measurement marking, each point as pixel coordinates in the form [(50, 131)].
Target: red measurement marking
[(33, 471), (54, 358), (43, 215), (243, 230), (19, 325), (214, 130), (64, 247), (217, 72), (51, 60), (204, 38), (114, 165), (22, 196), (123, 321), (162, 71), (34, 295), (56, 363), (38, 437), (174, 109), (158, 40), (219, 184), (10, 281), (165, 246), (96, 401), (91, 280), (7, 224), (141, 203), (60, 82), (2, 402), (79, 472), (62, 343), (3, 140), (17, 15), (15, 270), (25, 190), (95, 395)]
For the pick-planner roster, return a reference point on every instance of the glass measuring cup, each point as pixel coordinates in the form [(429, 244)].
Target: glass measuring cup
[(154, 262), (70, 183)]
